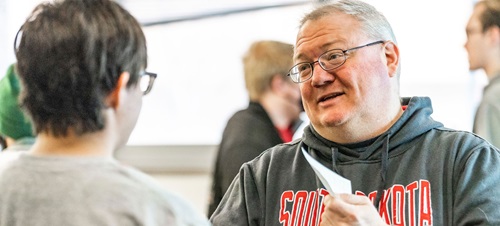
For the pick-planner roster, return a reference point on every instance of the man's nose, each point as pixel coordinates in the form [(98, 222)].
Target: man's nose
[(320, 76)]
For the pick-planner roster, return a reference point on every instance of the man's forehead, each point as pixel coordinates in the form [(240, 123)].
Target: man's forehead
[(320, 47), (474, 22), (336, 25), (325, 39)]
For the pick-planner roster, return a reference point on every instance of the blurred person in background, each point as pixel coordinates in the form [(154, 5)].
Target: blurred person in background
[(82, 69), (271, 118), (483, 48), (16, 132), (15, 126), (3, 143)]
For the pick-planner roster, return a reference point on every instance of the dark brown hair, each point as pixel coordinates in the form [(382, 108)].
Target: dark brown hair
[(70, 56)]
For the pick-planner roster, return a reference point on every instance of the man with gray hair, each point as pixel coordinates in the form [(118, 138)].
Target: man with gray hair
[(405, 168)]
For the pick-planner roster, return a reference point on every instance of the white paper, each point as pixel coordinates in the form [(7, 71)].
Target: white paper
[(333, 182)]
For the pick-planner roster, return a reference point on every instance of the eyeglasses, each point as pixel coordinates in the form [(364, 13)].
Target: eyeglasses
[(329, 60), (146, 82)]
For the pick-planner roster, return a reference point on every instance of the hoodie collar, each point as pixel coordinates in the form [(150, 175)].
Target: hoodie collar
[(415, 121)]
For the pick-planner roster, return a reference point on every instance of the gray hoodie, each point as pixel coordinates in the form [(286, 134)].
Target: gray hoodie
[(423, 173)]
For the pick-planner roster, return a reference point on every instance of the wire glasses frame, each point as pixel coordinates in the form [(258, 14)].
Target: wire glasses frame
[(329, 60), (146, 81)]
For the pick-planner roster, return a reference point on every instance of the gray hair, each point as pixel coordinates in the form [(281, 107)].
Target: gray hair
[(373, 23)]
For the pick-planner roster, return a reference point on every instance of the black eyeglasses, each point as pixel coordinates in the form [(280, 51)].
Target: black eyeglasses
[(329, 60), (146, 82)]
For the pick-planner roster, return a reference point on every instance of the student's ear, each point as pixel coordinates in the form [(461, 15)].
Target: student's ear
[(392, 57), (114, 98)]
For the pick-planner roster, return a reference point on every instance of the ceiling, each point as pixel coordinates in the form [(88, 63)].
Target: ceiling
[(153, 12)]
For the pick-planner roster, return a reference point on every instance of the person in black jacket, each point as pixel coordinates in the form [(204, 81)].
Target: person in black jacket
[(271, 117)]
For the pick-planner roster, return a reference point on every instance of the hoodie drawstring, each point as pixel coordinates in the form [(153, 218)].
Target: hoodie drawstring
[(383, 170), (334, 160), (384, 164)]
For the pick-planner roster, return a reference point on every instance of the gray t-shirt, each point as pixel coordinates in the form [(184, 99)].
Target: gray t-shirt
[(65, 191)]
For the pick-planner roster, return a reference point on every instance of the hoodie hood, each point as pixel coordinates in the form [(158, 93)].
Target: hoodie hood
[(415, 121)]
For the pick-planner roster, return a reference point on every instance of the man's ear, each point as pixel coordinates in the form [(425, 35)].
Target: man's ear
[(494, 35), (277, 83), (114, 98), (392, 57)]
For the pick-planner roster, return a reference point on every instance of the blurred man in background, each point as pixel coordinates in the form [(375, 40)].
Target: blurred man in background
[(483, 47)]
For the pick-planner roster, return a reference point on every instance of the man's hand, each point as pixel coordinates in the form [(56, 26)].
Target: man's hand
[(348, 209)]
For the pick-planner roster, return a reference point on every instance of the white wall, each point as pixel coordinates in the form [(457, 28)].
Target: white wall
[(200, 81), (431, 36), (192, 101), (12, 16), (200, 76)]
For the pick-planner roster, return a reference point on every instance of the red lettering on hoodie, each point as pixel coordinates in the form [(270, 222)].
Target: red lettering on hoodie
[(383, 208), (323, 193), (425, 203), (304, 208), (410, 189), (310, 207), (299, 207), (287, 196), (398, 205), (372, 196)]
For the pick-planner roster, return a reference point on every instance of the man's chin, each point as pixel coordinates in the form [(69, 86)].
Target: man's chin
[(473, 68), (333, 121)]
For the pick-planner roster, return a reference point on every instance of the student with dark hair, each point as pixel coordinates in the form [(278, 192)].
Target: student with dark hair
[(82, 66)]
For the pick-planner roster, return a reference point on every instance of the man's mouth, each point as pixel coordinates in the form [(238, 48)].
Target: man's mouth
[(329, 96)]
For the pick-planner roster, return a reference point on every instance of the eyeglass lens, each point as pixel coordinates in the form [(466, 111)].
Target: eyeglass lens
[(328, 61)]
